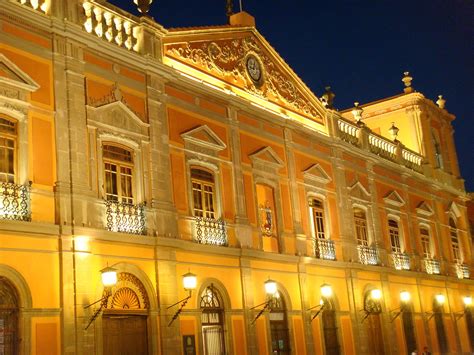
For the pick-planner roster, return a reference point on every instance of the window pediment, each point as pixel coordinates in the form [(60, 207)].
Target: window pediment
[(266, 156), (12, 76), (454, 209), (316, 173), (358, 191), (394, 198), (424, 209), (204, 137)]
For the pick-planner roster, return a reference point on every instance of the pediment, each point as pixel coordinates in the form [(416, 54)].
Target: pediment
[(394, 198), (266, 156), (358, 191), (205, 137), (241, 60), (316, 173), (424, 209), (11, 75), (117, 114), (454, 209)]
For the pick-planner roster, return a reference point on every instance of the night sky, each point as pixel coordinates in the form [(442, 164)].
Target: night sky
[(362, 48)]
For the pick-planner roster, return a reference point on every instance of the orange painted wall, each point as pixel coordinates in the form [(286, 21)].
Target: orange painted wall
[(298, 332), (43, 152), (227, 192), (179, 182), (238, 338)]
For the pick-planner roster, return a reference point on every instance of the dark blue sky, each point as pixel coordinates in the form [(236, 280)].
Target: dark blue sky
[(361, 48)]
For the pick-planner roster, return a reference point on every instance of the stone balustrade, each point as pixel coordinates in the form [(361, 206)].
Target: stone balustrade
[(382, 147), (39, 5), (111, 26)]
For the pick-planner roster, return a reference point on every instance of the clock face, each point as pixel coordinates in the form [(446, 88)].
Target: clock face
[(253, 68)]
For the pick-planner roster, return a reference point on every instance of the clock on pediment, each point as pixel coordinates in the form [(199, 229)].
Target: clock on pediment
[(254, 69)]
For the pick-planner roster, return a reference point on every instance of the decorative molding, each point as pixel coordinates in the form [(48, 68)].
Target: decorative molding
[(394, 198), (205, 137), (13, 76), (266, 156), (130, 292), (424, 209), (226, 59), (359, 192), (454, 209), (316, 173)]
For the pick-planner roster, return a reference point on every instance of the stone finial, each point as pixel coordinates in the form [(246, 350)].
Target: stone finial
[(328, 98), (407, 79), (357, 112), (441, 102), (143, 5), (393, 130)]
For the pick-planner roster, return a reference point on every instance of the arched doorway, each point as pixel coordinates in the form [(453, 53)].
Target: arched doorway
[(328, 316), (373, 308), (440, 331), (408, 328), (279, 326), (9, 309), (212, 322), (124, 321)]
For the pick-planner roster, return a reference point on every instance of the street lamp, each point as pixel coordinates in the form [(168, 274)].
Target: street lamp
[(189, 284), (439, 299), (326, 292), (404, 298), (372, 303), (271, 289), (467, 300), (109, 280)]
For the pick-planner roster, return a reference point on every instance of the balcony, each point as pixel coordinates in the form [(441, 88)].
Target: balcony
[(324, 249), (125, 218), (401, 261), (432, 266), (462, 271), (15, 202), (368, 255), (210, 231)]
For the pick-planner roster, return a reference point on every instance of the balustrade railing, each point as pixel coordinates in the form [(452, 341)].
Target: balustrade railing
[(210, 231), (110, 26), (401, 261), (432, 266), (382, 147), (39, 5), (412, 160), (125, 218), (348, 132), (15, 202), (368, 255), (462, 271), (324, 249)]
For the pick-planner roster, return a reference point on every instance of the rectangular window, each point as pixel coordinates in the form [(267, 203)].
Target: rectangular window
[(394, 236), (203, 193), (360, 222), (118, 170), (8, 136), (425, 243), (317, 213)]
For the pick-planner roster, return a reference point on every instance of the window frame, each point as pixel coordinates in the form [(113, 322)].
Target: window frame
[(206, 212), (456, 249), (12, 137), (426, 241), (356, 229), (119, 164), (395, 234), (315, 227)]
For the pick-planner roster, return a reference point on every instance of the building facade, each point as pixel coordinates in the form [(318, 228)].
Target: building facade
[(164, 152)]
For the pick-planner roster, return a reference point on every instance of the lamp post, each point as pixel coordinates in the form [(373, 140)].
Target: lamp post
[(439, 299), (326, 292), (467, 300), (372, 303), (109, 280), (271, 290), (189, 284), (405, 297)]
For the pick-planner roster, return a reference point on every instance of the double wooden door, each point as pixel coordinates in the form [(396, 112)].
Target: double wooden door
[(125, 334)]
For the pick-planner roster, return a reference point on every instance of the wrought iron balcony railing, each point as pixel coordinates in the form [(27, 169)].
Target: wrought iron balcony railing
[(401, 261), (210, 231), (324, 249), (125, 218), (462, 271), (15, 202), (368, 255), (432, 266)]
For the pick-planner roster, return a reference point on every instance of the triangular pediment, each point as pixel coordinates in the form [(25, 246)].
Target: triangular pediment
[(454, 209), (204, 136), (424, 209), (266, 156), (117, 114), (242, 61), (11, 75), (394, 198), (316, 173), (358, 191)]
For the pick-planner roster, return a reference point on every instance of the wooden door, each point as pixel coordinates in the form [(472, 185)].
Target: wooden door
[(125, 335), (374, 334)]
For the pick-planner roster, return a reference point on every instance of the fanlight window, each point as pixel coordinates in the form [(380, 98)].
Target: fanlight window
[(360, 222), (203, 193), (8, 142), (212, 321), (118, 169), (317, 215), (453, 231), (394, 233), (425, 242)]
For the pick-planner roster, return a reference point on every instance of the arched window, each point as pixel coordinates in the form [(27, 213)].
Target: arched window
[(453, 231), (317, 218), (8, 149), (425, 242), (212, 322), (331, 342), (279, 327), (394, 233), (118, 170), (360, 225), (203, 193), (8, 318)]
